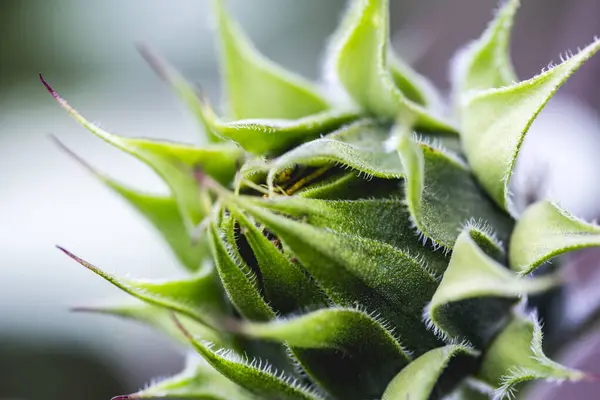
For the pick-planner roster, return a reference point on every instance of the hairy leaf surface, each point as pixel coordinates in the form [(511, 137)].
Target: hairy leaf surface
[(360, 63), (515, 356), (476, 292), (338, 345), (256, 135), (272, 136), (352, 269), (544, 231), (495, 122), (384, 220), (285, 283), (238, 279), (414, 87), (418, 380), (256, 376), (485, 63), (175, 163), (360, 146), (442, 195), (198, 381), (199, 297)]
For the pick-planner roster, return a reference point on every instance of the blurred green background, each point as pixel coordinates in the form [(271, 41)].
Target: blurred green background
[(85, 49)]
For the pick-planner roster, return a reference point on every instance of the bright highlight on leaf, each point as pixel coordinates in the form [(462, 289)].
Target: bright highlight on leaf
[(331, 340), (515, 356), (473, 278), (441, 194), (545, 231), (255, 135), (359, 60), (485, 63), (256, 376), (359, 146), (351, 252), (495, 122), (197, 381), (418, 380), (257, 88)]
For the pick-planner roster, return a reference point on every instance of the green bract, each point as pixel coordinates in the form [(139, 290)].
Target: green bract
[(358, 251)]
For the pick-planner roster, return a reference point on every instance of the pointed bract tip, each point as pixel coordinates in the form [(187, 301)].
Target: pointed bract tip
[(594, 377), (72, 154), (78, 259), (63, 103), (49, 88), (67, 252), (201, 94), (199, 175), (181, 328), (162, 68), (158, 65), (82, 309), (124, 397), (64, 148)]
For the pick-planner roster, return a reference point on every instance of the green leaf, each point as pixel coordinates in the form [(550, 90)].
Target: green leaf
[(258, 378), (359, 59), (495, 123), (258, 135), (441, 194), (286, 285), (339, 184), (335, 345), (476, 292), (485, 63), (516, 356), (351, 269), (161, 211), (186, 92), (272, 136), (419, 380), (360, 146), (383, 220), (343, 329), (414, 87), (236, 276), (257, 88), (254, 170), (544, 231), (159, 318), (199, 297), (175, 163), (244, 287), (198, 381), (332, 183)]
